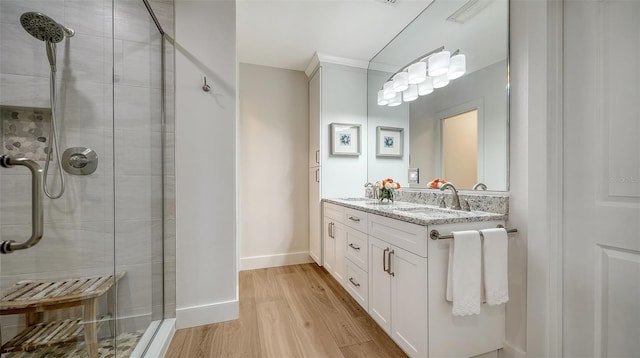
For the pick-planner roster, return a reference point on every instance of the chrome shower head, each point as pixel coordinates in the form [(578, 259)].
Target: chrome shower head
[(44, 28)]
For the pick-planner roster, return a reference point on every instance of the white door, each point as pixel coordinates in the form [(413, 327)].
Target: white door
[(601, 274), (379, 283), (409, 302)]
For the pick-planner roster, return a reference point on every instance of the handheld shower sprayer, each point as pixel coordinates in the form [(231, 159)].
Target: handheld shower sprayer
[(51, 32), (45, 29)]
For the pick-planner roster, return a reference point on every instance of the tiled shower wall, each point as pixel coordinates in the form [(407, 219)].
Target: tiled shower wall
[(110, 99)]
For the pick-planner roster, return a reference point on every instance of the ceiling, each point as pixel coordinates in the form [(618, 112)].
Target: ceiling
[(286, 33)]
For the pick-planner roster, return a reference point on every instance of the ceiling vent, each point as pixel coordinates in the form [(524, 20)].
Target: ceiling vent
[(467, 11), (389, 2)]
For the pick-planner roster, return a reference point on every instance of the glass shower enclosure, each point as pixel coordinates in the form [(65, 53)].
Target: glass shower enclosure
[(87, 218)]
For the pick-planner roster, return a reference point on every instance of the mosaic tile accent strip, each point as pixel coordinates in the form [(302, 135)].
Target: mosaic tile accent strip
[(491, 203), (25, 131), (125, 343)]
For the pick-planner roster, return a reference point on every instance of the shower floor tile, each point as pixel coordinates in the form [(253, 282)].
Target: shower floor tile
[(125, 343)]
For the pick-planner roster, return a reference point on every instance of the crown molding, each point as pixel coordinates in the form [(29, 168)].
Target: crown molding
[(319, 57)]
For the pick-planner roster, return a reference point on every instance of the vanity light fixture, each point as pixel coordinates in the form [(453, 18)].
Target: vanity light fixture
[(425, 87), (387, 90), (396, 101), (432, 70), (381, 100), (440, 81), (410, 94), (417, 72), (439, 63), (457, 66), (400, 81)]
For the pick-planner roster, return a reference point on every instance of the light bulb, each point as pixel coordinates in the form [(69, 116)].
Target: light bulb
[(440, 81), (457, 66), (439, 63), (400, 81), (426, 87), (417, 72), (410, 94)]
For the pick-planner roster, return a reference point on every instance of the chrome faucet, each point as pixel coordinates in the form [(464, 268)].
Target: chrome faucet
[(455, 201), (480, 186), (374, 191)]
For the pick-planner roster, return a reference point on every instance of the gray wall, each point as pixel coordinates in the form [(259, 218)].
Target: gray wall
[(206, 147), (272, 166)]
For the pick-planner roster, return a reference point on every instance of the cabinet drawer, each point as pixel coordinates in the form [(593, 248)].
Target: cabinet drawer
[(357, 248), (355, 219), (336, 212), (356, 284), (411, 237)]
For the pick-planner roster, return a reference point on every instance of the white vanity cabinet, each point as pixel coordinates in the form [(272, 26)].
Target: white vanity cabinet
[(398, 287), (345, 249), (399, 275), (480, 333), (334, 242), (356, 258)]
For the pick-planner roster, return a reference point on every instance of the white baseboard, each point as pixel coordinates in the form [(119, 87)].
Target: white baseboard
[(258, 262), (510, 351), (206, 314)]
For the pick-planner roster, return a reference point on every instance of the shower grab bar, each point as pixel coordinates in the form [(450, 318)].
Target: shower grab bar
[(37, 226), (435, 235)]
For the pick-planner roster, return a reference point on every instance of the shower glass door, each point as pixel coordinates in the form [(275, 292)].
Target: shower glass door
[(93, 284)]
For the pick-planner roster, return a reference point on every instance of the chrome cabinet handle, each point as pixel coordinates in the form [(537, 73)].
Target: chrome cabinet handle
[(317, 176), (318, 156), (37, 218), (331, 230), (390, 263), (353, 282), (354, 219), (384, 260), (354, 247)]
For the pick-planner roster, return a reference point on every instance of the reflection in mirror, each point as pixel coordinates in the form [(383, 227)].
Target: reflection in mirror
[(457, 132)]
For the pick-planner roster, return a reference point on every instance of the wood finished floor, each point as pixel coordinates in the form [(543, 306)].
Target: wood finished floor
[(290, 311)]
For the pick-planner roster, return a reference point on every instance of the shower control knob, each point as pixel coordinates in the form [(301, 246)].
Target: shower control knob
[(79, 161)]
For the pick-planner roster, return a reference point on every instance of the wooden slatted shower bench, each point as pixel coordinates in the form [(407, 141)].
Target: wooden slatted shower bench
[(33, 297)]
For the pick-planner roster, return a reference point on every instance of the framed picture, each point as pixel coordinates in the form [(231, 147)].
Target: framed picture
[(345, 139), (389, 142)]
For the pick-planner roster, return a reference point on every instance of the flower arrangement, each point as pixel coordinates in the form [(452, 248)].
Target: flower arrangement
[(386, 189), (436, 183)]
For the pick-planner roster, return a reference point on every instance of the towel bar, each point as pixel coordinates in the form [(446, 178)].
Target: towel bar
[(435, 235)]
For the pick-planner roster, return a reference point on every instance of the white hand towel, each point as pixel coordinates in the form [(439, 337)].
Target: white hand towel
[(466, 273), (496, 279)]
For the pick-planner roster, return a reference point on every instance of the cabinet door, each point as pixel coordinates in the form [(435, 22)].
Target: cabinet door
[(315, 231), (314, 119), (328, 245), (409, 302), (340, 241), (379, 284)]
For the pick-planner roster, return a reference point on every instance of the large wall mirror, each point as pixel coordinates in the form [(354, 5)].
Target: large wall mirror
[(457, 131)]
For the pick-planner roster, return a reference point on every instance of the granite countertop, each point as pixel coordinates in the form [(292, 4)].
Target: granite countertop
[(420, 214)]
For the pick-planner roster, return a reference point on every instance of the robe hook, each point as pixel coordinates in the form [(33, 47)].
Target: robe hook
[(206, 87)]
